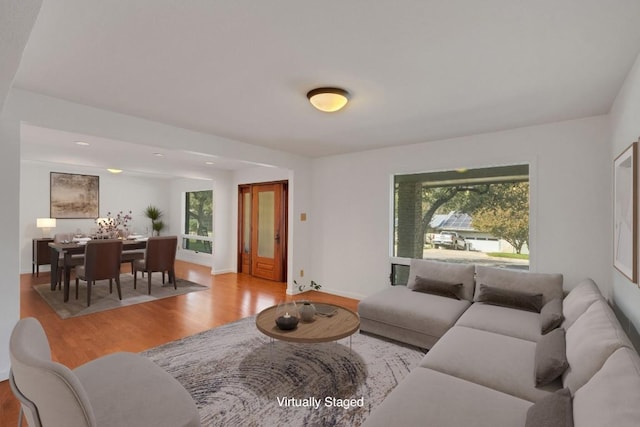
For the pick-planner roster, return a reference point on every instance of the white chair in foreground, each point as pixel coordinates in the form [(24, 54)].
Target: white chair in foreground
[(120, 389)]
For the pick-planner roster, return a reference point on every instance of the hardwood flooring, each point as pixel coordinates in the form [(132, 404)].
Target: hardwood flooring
[(139, 327)]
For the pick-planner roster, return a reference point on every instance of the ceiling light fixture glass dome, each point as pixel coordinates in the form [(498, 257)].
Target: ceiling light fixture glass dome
[(328, 99)]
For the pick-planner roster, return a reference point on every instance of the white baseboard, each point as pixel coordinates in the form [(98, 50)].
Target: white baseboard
[(332, 292), (223, 271)]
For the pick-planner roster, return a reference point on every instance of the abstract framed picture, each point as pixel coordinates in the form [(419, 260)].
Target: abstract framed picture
[(625, 213), (74, 195)]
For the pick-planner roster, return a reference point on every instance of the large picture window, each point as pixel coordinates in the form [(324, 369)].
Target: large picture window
[(198, 224), (465, 215)]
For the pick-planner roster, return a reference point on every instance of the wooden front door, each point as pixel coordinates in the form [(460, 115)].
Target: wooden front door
[(263, 230)]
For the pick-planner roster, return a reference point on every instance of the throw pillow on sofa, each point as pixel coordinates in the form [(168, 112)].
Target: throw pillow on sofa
[(437, 287), (550, 357), (551, 316), (509, 298), (452, 272), (555, 410), (549, 285)]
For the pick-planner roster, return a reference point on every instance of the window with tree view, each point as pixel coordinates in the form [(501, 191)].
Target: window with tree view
[(465, 215), (198, 230)]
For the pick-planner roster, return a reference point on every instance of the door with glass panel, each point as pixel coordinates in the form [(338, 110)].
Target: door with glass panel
[(263, 234)]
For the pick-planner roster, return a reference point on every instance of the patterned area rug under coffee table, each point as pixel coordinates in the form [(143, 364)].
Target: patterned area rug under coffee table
[(238, 377)]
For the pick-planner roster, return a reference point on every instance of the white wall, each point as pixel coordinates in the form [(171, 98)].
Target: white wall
[(120, 192), (625, 129), (16, 22), (9, 218), (570, 179)]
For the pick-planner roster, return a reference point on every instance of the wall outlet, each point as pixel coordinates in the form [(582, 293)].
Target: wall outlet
[(301, 273), (303, 217)]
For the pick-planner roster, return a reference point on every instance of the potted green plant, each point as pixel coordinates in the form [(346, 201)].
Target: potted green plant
[(154, 214), (312, 286), (307, 309)]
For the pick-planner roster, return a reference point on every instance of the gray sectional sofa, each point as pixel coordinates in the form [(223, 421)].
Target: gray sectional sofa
[(490, 364)]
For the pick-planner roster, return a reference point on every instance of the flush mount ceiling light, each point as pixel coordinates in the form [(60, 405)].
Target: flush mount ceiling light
[(112, 170), (328, 99)]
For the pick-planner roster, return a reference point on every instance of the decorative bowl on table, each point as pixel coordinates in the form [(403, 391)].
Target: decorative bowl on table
[(287, 316)]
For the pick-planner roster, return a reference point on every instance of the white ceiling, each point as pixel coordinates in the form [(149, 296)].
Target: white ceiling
[(59, 147), (417, 70)]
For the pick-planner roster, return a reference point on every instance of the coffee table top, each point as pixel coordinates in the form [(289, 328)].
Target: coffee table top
[(322, 329)]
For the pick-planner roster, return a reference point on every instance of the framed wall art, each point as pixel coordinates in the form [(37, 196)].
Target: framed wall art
[(74, 195), (625, 213)]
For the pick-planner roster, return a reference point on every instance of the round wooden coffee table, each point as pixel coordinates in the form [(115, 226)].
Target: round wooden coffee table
[(343, 323)]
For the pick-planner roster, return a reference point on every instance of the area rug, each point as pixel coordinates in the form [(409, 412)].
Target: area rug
[(239, 377), (102, 300)]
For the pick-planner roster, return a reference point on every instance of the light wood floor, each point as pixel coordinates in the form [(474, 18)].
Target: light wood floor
[(139, 327)]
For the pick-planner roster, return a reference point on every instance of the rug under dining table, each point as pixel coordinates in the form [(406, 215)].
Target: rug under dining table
[(102, 300)]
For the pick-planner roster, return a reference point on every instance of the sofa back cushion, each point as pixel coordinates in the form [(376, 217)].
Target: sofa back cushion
[(590, 341), (445, 272), (612, 396), (549, 285), (578, 301)]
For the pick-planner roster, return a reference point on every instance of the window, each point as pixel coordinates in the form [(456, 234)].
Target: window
[(198, 224), (464, 215)]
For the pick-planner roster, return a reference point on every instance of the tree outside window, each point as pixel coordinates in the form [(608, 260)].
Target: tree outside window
[(485, 210), (198, 221)]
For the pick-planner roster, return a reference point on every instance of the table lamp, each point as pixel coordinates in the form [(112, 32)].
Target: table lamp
[(46, 224)]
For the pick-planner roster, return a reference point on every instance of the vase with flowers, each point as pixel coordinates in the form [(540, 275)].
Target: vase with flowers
[(116, 226)]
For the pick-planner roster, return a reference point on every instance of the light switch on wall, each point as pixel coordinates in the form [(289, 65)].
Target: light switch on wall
[(303, 217)]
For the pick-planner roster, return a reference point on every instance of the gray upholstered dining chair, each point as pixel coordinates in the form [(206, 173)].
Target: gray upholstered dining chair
[(159, 256), (101, 262), (119, 389)]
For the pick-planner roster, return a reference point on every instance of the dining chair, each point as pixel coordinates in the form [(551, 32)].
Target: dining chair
[(119, 389), (101, 261), (159, 256), (131, 256), (74, 260)]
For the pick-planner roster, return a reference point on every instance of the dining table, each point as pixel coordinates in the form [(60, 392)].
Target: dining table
[(68, 249)]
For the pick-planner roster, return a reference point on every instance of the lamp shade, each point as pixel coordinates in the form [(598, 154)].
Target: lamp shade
[(328, 99), (45, 222)]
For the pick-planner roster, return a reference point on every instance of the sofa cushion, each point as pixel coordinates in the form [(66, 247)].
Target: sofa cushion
[(502, 320), (551, 357), (590, 341), (578, 300), (549, 285), (430, 398), (496, 361), (437, 287), (554, 410), (612, 396), (551, 316), (510, 298), (446, 272), (399, 313)]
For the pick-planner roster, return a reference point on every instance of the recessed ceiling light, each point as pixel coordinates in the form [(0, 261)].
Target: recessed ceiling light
[(208, 163), (158, 154), (112, 170), (82, 143)]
